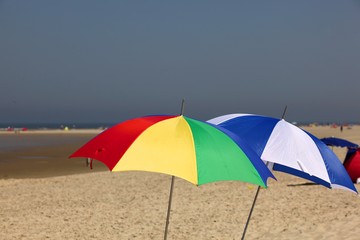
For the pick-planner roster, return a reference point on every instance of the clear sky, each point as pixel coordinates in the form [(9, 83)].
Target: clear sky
[(107, 61)]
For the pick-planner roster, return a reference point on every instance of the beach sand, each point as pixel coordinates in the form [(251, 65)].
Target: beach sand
[(45, 195)]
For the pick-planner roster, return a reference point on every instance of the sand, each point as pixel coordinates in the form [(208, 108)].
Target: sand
[(48, 196)]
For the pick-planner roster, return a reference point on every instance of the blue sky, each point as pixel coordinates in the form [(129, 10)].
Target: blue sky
[(107, 61)]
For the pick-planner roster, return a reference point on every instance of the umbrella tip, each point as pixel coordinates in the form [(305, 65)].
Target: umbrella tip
[(283, 115), (182, 107)]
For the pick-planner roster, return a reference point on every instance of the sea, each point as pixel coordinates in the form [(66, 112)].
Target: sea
[(56, 125), (10, 142)]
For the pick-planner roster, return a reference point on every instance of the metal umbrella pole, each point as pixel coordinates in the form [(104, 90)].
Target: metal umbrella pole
[(256, 196), (171, 188)]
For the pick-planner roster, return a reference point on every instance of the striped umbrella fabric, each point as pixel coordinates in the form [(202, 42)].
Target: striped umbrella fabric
[(289, 148), (180, 146)]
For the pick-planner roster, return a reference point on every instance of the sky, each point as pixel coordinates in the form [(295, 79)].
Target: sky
[(108, 61)]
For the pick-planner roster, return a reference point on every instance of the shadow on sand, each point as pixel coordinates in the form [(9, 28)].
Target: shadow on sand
[(302, 184)]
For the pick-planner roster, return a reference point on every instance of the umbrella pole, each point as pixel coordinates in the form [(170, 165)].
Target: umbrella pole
[(171, 187), (257, 192), (284, 112), (169, 207), (251, 210)]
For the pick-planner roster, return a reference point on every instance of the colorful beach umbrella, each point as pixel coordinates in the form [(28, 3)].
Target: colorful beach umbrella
[(180, 146), (177, 145), (289, 148)]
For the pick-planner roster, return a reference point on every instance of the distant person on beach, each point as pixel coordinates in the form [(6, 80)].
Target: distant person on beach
[(341, 128)]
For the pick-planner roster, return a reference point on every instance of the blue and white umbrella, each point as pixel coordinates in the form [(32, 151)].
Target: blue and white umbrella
[(338, 142), (288, 148)]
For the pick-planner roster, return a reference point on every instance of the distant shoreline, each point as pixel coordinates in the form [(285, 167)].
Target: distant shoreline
[(51, 131), (51, 126), (4, 126)]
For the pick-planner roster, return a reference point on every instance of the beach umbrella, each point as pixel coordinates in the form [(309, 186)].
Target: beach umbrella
[(287, 148), (352, 164), (177, 145), (338, 142)]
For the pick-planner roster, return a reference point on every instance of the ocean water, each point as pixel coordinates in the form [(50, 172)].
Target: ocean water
[(10, 142), (56, 125)]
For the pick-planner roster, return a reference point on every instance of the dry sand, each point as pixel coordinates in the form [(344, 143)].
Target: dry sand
[(48, 196)]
